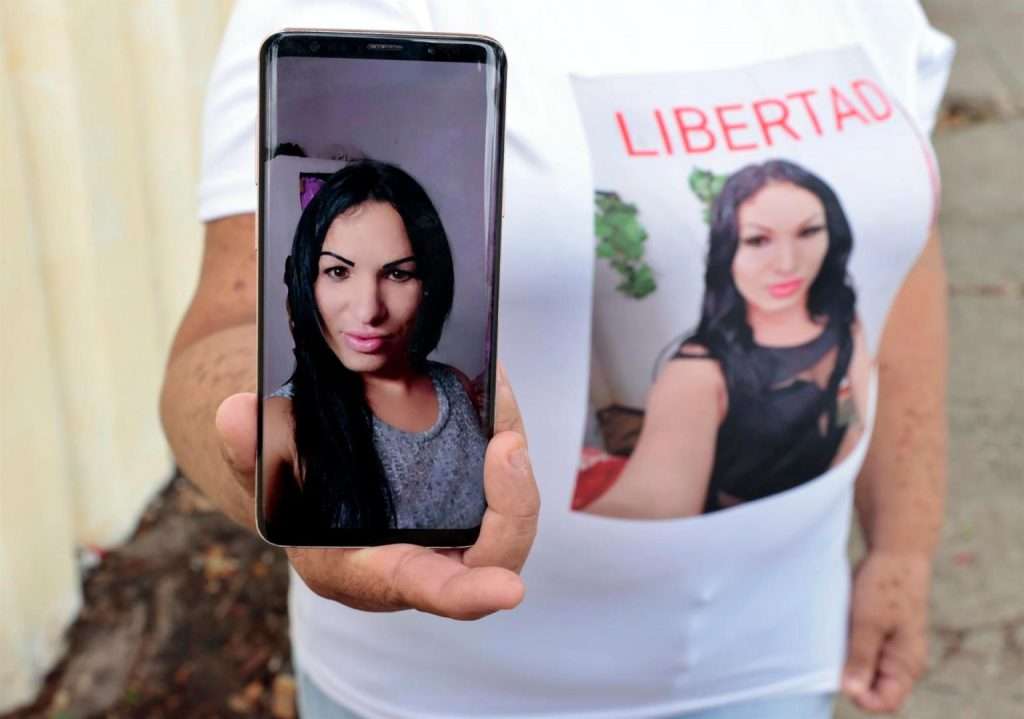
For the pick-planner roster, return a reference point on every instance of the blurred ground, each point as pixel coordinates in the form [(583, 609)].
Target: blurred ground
[(977, 616), (189, 618)]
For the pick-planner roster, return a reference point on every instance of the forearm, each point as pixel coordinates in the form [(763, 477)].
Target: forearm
[(901, 491), (198, 378)]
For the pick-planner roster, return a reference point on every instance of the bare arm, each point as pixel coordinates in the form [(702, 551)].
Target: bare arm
[(667, 475), (902, 487), (214, 356), (900, 493)]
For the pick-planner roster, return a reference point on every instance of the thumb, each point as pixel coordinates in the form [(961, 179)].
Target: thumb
[(862, 657), (236, 426)]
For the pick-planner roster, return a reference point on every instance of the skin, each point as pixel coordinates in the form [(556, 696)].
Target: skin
[(782, 242), (367, 286), (368, 294), (208, 408), (900, 494)]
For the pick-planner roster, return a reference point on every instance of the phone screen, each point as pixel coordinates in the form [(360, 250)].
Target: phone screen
[(380, 167)]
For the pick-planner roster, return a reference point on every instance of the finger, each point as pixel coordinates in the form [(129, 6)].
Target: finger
[(506, 410), (403, 576), (862, 657), (906, 653), (890, 689), (887, 695), (901, 664), (440, 585), (236, 424), (513, 502)]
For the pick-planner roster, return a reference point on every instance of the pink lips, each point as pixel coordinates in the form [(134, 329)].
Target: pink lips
[(367, 344), (785, 289)]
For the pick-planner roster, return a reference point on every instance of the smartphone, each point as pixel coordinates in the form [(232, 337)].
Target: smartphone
[(380, 158)]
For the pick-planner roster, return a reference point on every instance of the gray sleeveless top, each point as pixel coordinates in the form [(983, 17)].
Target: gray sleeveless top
[(436, 476)]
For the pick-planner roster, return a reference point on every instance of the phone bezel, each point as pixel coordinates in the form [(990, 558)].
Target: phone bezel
[(423, 47)]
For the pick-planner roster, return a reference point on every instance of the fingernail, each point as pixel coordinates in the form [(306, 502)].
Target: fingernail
[(519, 460)]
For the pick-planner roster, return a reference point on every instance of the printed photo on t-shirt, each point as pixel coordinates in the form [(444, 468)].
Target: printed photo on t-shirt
[(746, 258)]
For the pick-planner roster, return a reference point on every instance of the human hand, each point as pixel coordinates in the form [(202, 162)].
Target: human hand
[(888, 640), (456, 583)]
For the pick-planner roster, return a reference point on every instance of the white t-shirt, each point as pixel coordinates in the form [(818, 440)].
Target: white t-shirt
[(634, 617)]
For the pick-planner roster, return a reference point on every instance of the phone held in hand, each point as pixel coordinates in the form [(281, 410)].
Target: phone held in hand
[(379, 217)]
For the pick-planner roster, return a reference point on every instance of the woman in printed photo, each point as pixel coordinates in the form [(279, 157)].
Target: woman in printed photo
[(369, 433), (771, 389)]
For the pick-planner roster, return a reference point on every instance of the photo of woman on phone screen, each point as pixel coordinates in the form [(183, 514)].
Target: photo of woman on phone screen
[(369, 432), (771, 389)]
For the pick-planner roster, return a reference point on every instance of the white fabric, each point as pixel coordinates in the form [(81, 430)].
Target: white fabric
[(622, 618)]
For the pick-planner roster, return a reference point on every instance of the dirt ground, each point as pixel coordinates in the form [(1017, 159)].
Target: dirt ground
[(187, 619)]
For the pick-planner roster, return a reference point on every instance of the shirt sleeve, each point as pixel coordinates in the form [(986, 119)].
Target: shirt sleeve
[(935, 52), (227, 183), (913, 57)]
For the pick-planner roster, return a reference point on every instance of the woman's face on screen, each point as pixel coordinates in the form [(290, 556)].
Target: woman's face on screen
[(367, 288), (783, 239)]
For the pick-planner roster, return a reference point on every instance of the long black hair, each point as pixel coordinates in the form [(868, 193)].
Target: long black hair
[(723, 329), (341, 473)]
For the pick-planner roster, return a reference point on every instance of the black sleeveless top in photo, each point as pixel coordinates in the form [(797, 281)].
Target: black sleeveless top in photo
[(785, 431)]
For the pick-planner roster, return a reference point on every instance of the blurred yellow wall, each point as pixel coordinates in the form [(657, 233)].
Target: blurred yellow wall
[(100, 106)]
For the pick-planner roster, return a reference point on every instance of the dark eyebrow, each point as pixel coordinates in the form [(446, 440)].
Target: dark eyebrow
[(816, 217), (395, 263), (347, 261)]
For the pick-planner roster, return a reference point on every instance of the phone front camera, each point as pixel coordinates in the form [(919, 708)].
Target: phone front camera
[(314, 46)]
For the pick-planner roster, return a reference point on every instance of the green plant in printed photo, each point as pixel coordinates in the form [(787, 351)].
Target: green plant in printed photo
[(620, 241), (706, 185)]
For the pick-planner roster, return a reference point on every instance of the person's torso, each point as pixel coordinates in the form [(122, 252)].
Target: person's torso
[(634, 617), (785, 432), (435, 475)]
